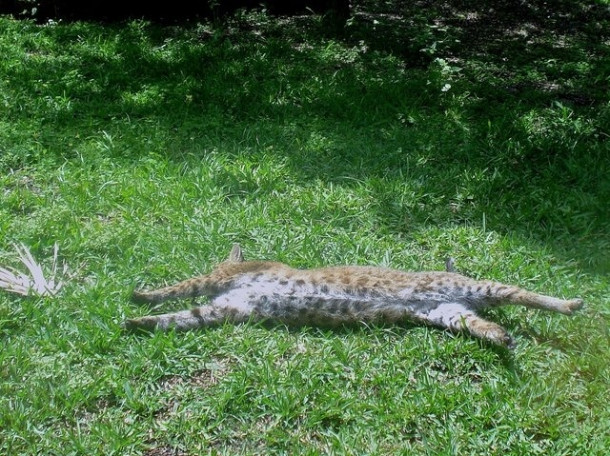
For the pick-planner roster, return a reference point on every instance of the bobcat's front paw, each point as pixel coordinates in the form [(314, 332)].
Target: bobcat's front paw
[(502, 339), (576, 304), (572, 306)]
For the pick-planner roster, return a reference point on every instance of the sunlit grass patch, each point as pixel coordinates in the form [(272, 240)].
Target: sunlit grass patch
[(146, 151)]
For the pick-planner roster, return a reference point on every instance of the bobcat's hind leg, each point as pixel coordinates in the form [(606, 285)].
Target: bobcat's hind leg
[(197, 317), (192, 288), (206, 285), (209, 285)]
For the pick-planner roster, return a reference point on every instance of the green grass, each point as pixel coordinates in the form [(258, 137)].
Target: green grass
[(146, 151)]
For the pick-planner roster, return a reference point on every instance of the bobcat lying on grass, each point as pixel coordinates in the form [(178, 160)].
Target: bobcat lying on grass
[(262, 290)]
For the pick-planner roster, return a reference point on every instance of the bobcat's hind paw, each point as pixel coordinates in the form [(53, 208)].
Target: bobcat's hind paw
[(139, 297), (145, 324)]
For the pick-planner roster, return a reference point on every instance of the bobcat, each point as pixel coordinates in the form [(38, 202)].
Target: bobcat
[(262, 290)]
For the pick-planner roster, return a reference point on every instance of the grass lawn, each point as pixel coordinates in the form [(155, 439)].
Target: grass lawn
[(457, 130)]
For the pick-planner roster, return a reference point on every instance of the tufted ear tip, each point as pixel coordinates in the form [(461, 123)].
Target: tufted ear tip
[(236, 255), (450, 264)]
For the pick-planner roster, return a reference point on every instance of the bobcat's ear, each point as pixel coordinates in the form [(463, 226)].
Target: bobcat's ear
[(236, 255), (450, 264)]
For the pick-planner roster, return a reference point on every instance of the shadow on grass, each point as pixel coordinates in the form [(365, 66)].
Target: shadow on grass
[(453, 111)]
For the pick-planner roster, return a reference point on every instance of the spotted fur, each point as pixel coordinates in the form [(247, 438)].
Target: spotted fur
[(261, 290)]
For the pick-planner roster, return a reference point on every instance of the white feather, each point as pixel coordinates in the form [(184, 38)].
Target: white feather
[(35, 282)]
